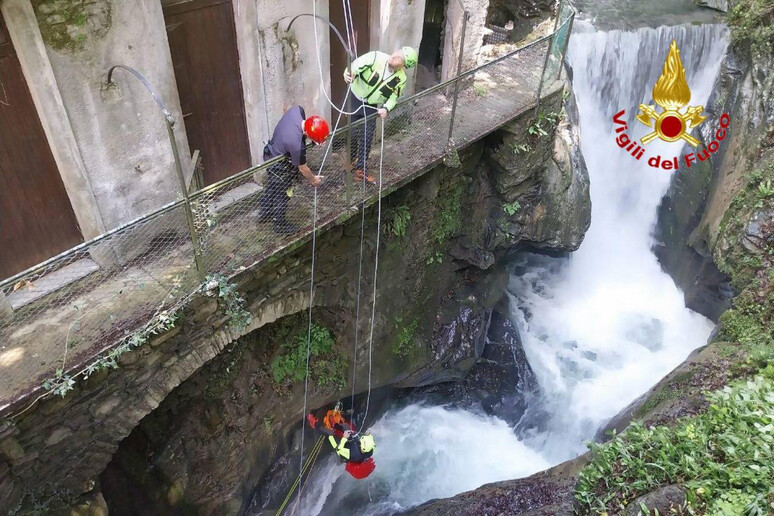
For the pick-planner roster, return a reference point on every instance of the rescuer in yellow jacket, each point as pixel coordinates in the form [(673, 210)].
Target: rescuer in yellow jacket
[(377, 79)]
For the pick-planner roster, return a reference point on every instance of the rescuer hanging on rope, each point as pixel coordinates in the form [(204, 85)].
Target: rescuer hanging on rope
[(353, 448), (376, 78), (289, 140)]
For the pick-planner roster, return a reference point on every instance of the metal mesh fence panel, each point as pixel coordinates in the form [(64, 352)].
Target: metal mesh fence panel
[(255, 214), (84, 301), (557, 50), (492, 94), (87, 300)]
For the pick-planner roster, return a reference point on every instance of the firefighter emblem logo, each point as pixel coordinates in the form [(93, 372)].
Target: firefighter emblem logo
[(671, 93)]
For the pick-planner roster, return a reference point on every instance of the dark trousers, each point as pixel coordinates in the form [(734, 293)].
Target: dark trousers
[(363, 134), (274, 201)]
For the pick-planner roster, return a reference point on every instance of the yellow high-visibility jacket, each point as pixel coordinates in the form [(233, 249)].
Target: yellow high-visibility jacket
[(372, 81)]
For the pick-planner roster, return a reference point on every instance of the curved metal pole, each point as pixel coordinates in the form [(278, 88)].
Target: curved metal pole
[(332, 26), (178, 165), (148, 87)]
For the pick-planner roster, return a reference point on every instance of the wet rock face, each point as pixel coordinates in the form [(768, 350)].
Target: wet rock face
[(698, 209), (682, 392), (456, 345), (547, 178), (718, 5), (545, 494), (501, 380)]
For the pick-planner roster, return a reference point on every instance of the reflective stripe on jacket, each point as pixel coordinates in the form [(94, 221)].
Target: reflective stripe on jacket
[(341, 448), (368, 83)]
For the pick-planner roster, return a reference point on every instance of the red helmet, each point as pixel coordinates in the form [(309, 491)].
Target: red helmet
[(316, 128)]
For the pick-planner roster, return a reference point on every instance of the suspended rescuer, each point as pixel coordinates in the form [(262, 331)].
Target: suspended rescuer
[(353, 448), (377, 79), (289, 140)]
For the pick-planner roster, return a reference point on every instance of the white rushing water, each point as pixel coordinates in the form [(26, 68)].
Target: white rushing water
[(601, 328), (423, 452), (598, 329)]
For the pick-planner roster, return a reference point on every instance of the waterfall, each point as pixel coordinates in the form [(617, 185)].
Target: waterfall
[(598, 329), (603, 326)]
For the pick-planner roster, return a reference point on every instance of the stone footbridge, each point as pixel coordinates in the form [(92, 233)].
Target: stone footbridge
[(63, 319)]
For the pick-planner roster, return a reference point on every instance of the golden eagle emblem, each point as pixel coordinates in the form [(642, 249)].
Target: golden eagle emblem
[(671, 92)]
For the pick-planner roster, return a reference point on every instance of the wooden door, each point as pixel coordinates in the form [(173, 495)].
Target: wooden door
[(360, 17), (36, 218), (202, 40)]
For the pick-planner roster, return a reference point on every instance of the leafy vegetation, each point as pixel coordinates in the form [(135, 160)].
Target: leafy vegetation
[(521, 148), (479, 90), (326, 367), (752, 23), (765, 190), (399, 223), (268, 424), (543, 121), (434, 257), (62, 383), (404, 343), (233, 302), (448, 217), (511, 208), (723, 457), (451, 157)]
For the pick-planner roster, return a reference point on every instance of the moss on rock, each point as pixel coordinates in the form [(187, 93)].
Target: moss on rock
[(68, 25)]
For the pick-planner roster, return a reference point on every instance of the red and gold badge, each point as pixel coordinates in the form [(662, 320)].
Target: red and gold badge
[(672, 93)]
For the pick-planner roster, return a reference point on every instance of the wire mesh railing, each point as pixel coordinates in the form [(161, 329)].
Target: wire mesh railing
[(78, 305)]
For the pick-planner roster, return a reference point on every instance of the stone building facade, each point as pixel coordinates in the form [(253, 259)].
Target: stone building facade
[(226, 70)]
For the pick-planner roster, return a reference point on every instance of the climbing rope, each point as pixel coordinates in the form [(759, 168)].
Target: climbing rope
[(350, 41), (303, 467), (311, 299), (308, 465), (351, 46), (319, 63), (359, 281), (376, 270)]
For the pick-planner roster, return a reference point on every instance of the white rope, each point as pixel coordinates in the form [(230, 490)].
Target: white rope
[(311, 305), (376, 271), (359, 263), (308, 348), (319, 63), (351, 42), (349, 26)]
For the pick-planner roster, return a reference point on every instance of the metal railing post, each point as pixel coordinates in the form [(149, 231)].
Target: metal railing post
[(558, 15), (543, 72), (566, 44), (170, 121), (548, 54), (459, 71)]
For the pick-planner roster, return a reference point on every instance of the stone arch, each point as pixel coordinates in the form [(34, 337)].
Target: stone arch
[(205, 447)]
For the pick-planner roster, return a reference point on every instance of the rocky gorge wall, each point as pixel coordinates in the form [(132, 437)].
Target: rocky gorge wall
[(716, 239), (204, 409), (694, 215)]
